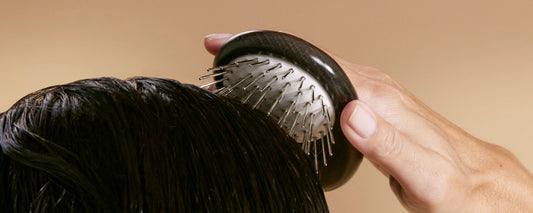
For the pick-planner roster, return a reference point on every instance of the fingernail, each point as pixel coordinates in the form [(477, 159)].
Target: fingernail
[(362, 121), (217, 36)]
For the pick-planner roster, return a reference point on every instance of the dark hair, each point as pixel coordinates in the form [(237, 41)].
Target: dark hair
[(148, 144)]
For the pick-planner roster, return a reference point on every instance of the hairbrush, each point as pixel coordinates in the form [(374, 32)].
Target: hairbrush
[(299, 86)]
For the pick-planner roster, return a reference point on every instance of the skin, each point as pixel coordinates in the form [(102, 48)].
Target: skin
[(432, 165)]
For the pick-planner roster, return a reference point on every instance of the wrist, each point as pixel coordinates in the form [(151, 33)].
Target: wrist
[(501, 182)]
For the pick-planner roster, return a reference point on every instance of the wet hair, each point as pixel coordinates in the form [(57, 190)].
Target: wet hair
[(148, 145)]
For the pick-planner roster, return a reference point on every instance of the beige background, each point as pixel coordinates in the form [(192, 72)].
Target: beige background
[(471, 61)]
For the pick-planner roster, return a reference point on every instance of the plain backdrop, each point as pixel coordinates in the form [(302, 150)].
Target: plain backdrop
[(471, 61)]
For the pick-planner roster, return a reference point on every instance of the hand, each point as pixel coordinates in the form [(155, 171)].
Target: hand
[(432, 165)]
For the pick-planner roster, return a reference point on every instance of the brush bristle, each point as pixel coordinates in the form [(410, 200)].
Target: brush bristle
[(284, 92)]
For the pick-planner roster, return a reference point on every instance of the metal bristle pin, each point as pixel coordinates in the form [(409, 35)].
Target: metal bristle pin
[(298, 86), (282, 97)]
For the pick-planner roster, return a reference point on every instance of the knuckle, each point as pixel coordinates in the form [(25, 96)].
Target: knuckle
[(389, 145)]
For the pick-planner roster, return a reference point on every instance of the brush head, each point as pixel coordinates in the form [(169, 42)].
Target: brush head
[(300, 87)]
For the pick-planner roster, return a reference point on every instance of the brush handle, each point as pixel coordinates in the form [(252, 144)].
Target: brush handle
[(346, 159)]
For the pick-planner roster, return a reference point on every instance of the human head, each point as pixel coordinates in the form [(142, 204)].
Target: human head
[(148, 144)]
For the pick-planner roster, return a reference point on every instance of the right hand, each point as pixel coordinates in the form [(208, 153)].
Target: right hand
[(432, 165)]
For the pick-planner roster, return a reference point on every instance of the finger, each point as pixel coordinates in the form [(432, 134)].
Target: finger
[(381, 143), (213, 42), (399, 191)]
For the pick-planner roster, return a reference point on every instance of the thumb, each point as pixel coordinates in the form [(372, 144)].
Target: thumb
[(376, 139)]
